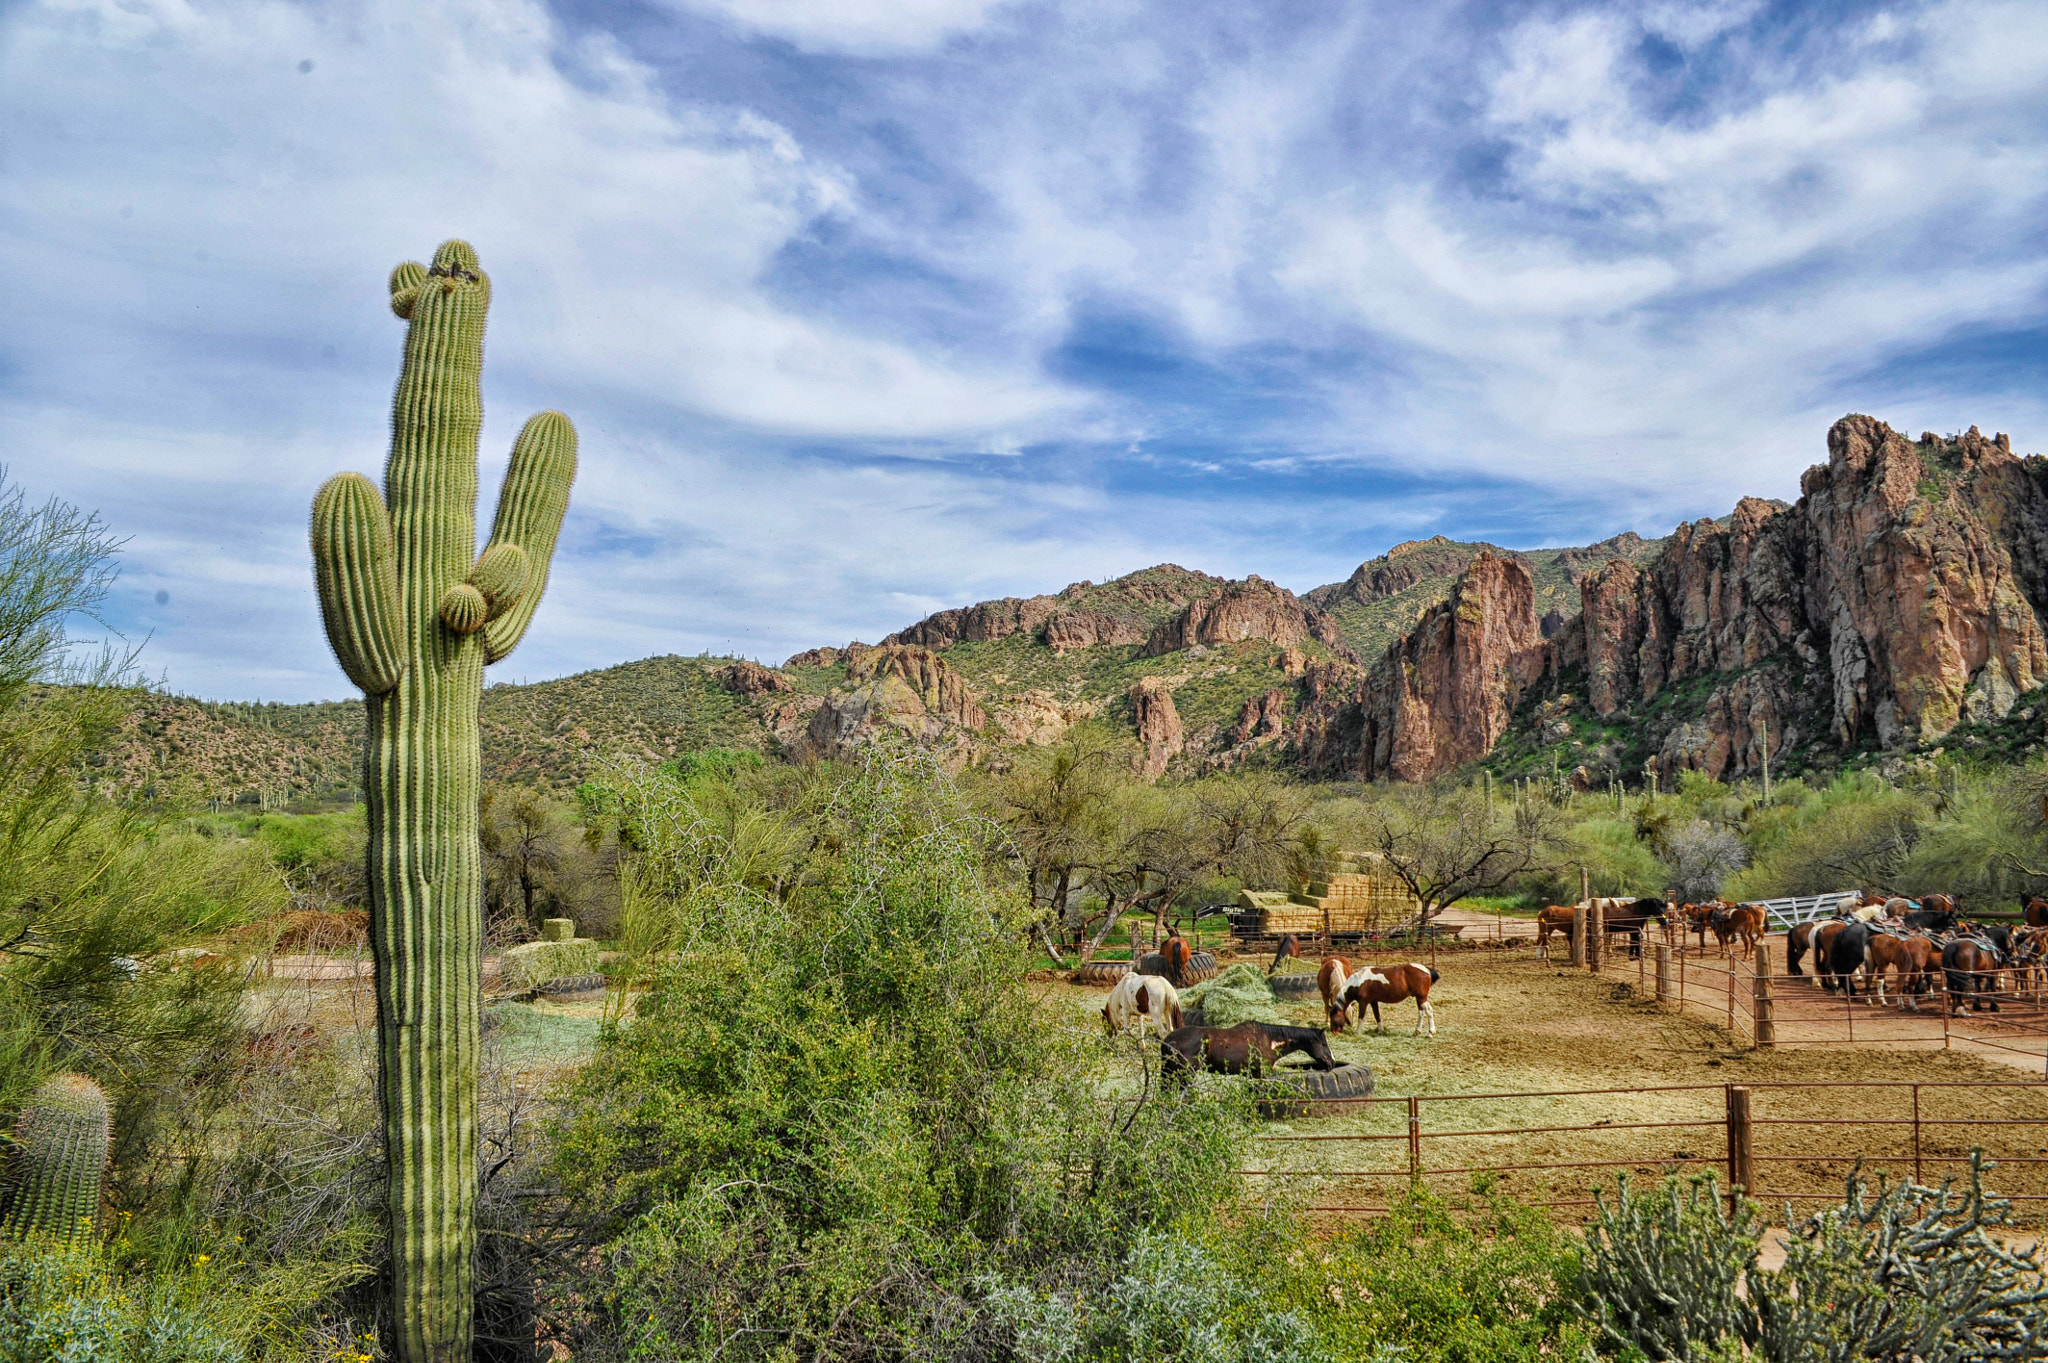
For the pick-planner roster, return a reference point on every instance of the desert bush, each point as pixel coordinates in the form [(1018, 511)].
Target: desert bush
[(1898, 1271), (1699, 857), (66, 1305), (839, 1110)]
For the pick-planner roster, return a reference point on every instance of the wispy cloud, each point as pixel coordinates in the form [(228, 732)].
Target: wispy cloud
[(864, 308)]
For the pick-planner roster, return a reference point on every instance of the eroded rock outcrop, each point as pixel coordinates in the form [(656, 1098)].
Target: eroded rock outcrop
[(747, 678), (1440, 697), (1251, 609), (1900, 595), (982, 623), (902, 687), (1072, 629), (1158, 724)]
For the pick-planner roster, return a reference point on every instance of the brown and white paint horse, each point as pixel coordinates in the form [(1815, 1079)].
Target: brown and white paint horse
[(1367, 986), (1330, 977), (1139, 999)]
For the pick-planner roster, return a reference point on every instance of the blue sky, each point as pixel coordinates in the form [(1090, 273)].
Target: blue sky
[(867, 309)]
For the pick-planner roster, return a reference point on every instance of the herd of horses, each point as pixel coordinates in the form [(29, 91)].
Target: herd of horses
[(1141, 999), (1878, 944)]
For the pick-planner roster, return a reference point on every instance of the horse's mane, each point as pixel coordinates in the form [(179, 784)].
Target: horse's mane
[(1286, 1033)]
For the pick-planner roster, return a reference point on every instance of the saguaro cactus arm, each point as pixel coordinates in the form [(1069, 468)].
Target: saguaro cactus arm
[(530, 509), (357, 575)]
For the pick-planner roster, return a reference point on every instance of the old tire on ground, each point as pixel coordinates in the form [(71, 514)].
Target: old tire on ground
[(1294, 986), (1201, 966), (1312, 1093), (572, 984), (1100, 972)]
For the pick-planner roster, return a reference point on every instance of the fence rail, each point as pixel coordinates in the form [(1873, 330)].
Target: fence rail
[(1790, 913), (1774, 1142)]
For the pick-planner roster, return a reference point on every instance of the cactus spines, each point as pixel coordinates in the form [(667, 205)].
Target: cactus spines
[(414, 617), (60, 1155)]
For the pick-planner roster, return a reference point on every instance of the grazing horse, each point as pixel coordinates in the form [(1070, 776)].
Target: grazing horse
[(1138, 999), (1913, 957), (1330, 979), (1396, 982), (1290, 945), (1971, 965), (1249, 1047)]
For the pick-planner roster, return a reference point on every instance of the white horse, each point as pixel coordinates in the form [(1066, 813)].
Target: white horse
[(1138, 999)]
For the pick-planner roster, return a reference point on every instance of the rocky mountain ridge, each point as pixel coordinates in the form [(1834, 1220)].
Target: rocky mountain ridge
[(1902, 599)]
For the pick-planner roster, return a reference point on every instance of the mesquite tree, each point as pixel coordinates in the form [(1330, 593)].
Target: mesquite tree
[(414, 614)]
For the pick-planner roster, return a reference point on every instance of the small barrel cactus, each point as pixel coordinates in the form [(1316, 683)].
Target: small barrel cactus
[(60, 1155), (414, 614)]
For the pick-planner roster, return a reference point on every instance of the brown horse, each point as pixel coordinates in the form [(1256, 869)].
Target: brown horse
[(1746, 924), (2036, 910), (1367, 986), (1247, 1048), (1913, 958), (1330, 980), (1290, 945), (1798, 942), (1972, 970), (1553, 918), (1179, 958)]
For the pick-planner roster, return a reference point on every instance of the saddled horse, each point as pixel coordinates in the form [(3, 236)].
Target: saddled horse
[(1368, 986), (1743, 923), (1798, 942), (1971, 965), (1247, 1048), (1139, 999), (1823, 939)]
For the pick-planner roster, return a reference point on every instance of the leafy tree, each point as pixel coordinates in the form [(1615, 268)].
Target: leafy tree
[(1446, 842)]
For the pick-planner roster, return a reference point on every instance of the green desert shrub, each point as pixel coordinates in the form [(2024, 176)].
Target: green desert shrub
[(838, 1111), (1896, 1271), (61, 1304)]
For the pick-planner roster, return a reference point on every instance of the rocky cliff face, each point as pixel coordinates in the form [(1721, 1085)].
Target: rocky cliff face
[(1900, 595), (1439, 698), (1252, 609), (899, 686), (1158, 724)]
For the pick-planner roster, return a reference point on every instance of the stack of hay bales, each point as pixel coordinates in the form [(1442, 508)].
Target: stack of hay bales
[(559, 954), (1359, 897)]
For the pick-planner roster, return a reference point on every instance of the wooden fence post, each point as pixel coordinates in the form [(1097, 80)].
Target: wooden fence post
[(1741, 1148), (1596, 935), (1585, 885), (1579, 935), (1663, 973), (1414, 1138), (1763, 1009)]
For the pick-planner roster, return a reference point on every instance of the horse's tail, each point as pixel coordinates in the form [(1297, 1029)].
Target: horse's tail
[(1433, 976), (1173, 1011)]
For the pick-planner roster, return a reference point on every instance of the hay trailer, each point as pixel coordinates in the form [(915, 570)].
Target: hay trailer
[(1359, 899)]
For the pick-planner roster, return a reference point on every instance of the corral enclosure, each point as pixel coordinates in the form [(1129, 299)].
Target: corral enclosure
[(1545, 1083)]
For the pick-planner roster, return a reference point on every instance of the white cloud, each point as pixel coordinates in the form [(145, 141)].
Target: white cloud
[(859, 27)]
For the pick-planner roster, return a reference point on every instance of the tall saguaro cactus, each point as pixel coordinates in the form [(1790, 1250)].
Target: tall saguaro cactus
[(413, 614)]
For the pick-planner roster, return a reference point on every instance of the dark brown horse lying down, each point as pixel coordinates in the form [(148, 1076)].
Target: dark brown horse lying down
[(1248, 1048)]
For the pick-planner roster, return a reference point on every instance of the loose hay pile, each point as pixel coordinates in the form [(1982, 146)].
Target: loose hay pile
[(1239, 994)]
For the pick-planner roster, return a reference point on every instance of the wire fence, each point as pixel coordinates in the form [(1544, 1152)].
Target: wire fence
[(1779, 1143)]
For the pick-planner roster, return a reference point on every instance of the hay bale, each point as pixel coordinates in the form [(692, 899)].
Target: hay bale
[(534, 964), (1239, 994), (558, 930)]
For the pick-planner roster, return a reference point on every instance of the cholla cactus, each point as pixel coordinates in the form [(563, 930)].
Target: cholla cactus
[(414, 614), (1912, 1272), (60, 1155)]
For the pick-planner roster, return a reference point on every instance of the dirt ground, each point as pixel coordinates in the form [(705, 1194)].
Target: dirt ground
[(1531, 1028)]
